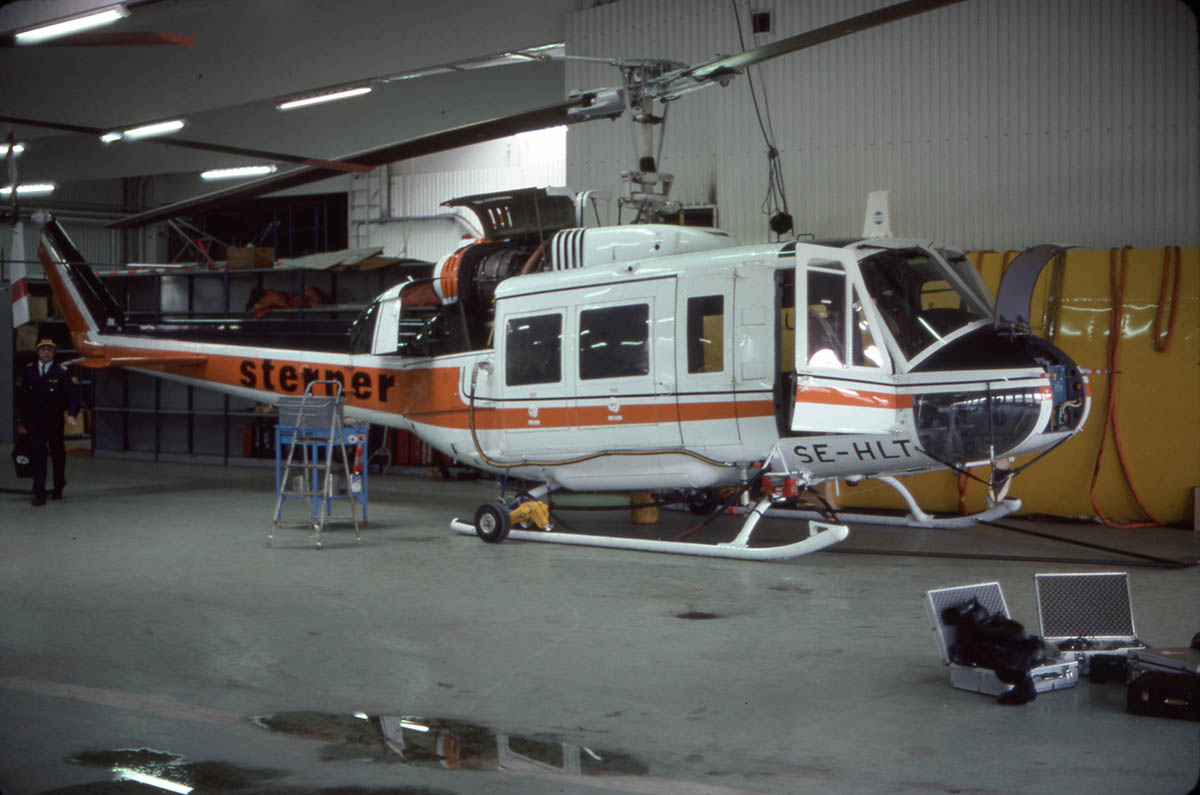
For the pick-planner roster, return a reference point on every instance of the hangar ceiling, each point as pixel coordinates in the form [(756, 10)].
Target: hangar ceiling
[(247, 57)]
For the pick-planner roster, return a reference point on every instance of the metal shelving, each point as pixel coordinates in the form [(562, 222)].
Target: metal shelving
[(139, 414)]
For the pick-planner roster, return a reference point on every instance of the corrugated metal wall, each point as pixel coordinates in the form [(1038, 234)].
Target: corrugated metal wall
[(994, 124), (407, 226)]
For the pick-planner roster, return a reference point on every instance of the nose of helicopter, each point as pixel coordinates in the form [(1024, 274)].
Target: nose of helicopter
[(1032, 397)]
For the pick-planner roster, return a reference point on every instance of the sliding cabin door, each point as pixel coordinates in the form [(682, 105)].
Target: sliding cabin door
[(624, 365)]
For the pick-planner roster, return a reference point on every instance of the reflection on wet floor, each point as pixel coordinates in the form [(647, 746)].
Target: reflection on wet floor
[(141, 770), (388, 739), (440, 742)]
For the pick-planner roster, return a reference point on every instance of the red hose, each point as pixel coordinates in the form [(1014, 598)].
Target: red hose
[(1117, 283), (1162, 343)]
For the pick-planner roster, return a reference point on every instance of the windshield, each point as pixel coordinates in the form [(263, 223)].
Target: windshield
[(920, 298)]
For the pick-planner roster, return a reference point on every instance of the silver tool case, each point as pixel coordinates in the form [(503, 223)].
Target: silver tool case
[(1052, 676), (1087, 614)]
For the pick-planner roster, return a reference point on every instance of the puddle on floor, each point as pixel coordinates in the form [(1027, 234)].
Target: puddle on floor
[(384, 739), (144, 770), (696, 615), (445, 743)]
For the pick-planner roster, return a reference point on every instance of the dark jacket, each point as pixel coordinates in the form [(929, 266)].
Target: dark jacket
[(41, 400)]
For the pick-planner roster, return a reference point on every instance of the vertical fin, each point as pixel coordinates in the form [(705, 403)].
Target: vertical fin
[(878, 221), (85, 304)]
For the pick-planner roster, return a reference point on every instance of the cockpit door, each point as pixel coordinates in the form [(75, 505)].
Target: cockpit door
[(844, 376), (387, 321)]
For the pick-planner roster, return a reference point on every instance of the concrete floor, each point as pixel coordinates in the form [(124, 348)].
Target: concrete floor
[(144, 611)]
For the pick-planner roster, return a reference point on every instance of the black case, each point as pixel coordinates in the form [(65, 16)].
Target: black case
[(1164, 683), (1164, 695)]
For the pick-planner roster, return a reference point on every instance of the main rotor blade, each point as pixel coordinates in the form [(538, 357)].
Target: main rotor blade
[(800, 41), (259, 154), (475, 132)]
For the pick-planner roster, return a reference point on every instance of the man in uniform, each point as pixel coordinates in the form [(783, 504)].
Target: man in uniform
[(45, 393)]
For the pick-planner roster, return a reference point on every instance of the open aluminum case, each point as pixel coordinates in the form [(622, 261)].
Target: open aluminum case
[(1087, 614), (1052, 676)]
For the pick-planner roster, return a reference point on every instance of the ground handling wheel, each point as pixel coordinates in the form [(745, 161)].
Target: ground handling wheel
[(491, 523)]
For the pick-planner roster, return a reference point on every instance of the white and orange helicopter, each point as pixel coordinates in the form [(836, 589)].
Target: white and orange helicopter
[(656, 357)]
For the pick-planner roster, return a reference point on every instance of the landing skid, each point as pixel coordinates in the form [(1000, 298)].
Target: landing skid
[(916, 517), (821, 535), (997, 511)]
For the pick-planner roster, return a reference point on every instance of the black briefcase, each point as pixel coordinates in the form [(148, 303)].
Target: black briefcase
[(1164, 683), (20, 456)]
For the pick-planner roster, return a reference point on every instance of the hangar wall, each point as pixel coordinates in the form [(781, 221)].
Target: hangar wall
[(400, 207), (994, 125)]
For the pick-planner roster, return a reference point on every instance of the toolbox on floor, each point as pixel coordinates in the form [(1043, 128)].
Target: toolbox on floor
[(1164, 683), (1046, 677), (1088, 617)]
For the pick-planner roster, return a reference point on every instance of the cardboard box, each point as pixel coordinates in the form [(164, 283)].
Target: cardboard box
[(244, 257), (80, 428), (25, 338), (39, 307)]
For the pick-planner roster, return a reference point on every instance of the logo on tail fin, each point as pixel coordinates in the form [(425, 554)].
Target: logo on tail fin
[(878, 222)]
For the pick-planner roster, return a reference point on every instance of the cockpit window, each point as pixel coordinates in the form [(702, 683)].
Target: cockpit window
[(921, 299), (969, 275), (362, 332)]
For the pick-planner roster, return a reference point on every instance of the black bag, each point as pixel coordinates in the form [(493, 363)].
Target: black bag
[(20, 456), (996, 642)]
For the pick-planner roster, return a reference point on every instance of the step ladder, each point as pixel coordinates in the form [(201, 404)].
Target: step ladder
[(316, 425)]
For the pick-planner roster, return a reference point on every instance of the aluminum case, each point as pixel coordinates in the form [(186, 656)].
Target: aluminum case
[(1051, 676), (1086, 614)]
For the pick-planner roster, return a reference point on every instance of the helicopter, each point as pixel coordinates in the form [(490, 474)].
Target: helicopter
[(654, 357)]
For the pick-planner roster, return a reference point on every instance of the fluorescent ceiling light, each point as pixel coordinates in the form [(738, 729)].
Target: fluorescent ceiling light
[(237, 173), (330, 97), (154, 781), (65, 27), (158, 128), (32, 189), (413, 725), (17, 149), (145, 131)]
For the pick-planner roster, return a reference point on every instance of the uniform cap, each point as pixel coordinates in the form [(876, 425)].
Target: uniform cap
[(43, 343)]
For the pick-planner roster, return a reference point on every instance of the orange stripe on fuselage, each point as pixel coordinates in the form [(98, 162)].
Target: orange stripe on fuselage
[(843, 396), (425, 395)]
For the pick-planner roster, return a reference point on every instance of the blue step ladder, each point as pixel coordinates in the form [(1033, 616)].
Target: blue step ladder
[(313, 428)]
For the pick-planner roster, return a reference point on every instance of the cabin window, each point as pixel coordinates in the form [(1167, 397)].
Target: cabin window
[(362, 332), (614, 341), (826, 318), (533, 350), (706, 334)]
